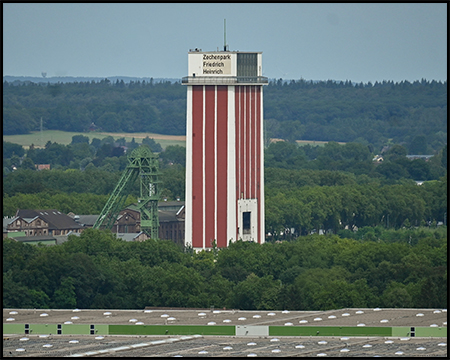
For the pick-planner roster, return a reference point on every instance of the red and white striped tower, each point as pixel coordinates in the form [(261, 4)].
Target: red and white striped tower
[(224, 149)]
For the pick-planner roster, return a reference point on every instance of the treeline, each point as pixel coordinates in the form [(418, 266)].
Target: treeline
[(82, 168), (411, 114), (301, 201), (403, 268), (307, 189), (293, 211), (358, 159), (338, 187), (77, 155), (111, 155), (365, 113), (113, 107)]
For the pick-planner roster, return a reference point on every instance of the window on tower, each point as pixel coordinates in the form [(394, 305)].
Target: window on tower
[(246, 222)]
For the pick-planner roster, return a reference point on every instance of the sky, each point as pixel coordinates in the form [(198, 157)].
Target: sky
[(360, 42)]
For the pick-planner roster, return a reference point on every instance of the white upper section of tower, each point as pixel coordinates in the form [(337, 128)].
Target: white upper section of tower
[(224, 64)]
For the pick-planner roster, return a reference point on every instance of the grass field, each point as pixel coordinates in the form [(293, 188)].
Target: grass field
[(39, 139), (65, 138), (307, 142), (313, 142)]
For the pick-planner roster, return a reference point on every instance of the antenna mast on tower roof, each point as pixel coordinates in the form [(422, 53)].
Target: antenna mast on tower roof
[(224, 34)]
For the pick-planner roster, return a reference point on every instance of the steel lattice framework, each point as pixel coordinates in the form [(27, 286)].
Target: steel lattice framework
[(142, 165)]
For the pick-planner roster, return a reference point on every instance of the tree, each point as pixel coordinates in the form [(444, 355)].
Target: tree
[(419, 169), (297, 215), (396, 295), (121, 142), (173, 181), (173, 154), (392, 170), (132, 145), (17, 121), (10, 149), (273, 214), (96, 143), (444, 157), (15, 295), (39, 299), (106, 150), (284, 155), (92, 242), (81, 150), (106, 140), (65, 297), (256, 293), (418, 145), (27, 163), (218, 291), (79, 139), (152, 144), (396, 152)]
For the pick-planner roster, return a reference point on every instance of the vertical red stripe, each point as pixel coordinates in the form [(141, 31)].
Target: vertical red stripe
[(222, 163), (237, 114), (254, 121), (242, 142), (210, 106), (197, 166)]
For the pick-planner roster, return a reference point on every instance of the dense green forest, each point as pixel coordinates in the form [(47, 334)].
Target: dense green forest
[(396, 268), (385, 241), (411, 114), (307, 188), (396, 258)]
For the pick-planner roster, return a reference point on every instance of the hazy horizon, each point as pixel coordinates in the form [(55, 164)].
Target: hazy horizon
[(360, 42)]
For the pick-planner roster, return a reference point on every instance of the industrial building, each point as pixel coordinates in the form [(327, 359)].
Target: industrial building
[(51, 227), (356, 332)]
